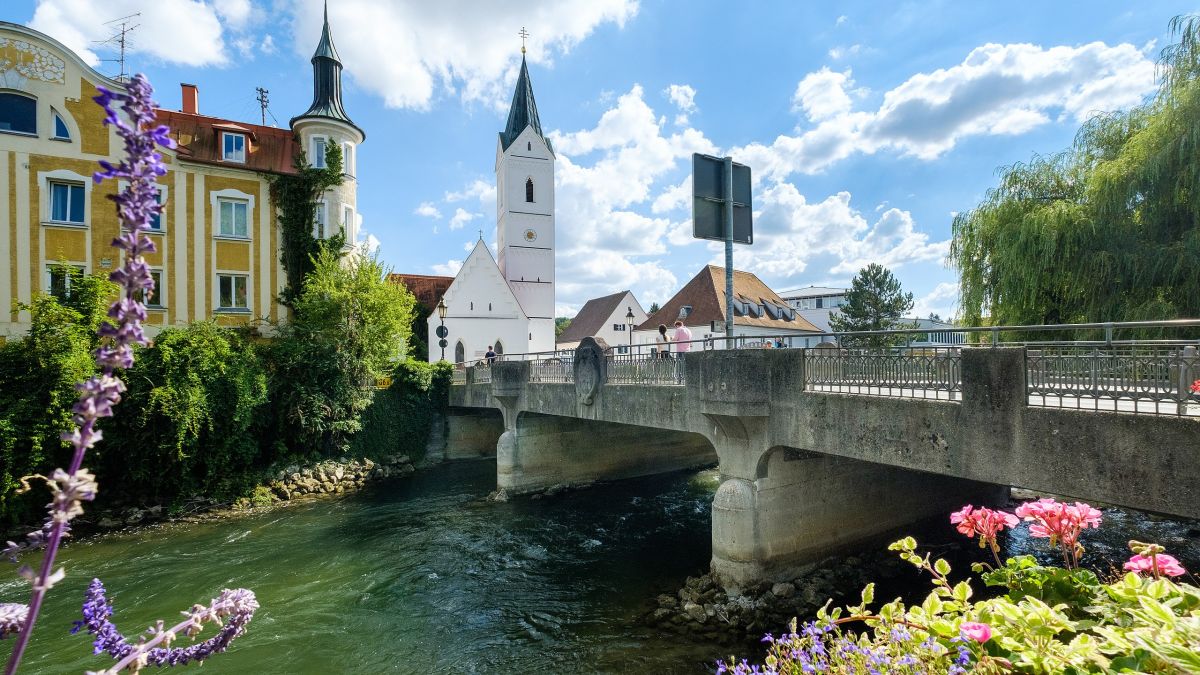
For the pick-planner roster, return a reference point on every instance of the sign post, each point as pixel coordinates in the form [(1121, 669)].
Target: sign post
[(721, 211)]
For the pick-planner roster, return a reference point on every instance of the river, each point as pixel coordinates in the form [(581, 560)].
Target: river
[(423, 575)]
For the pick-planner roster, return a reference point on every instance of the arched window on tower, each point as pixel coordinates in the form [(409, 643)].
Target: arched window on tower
[(499, 348), (460, 352), (529, 190)]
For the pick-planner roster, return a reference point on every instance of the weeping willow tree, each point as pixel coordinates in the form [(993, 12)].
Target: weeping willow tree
[(1104, 231)]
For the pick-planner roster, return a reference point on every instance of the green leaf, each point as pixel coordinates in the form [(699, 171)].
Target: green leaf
[(942, 567)]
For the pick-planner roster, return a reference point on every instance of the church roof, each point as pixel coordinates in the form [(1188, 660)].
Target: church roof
[(428, 289), (327, 81), (591, 318), (523, 111)]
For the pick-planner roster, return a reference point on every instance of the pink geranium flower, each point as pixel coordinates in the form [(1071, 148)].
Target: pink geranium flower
[(1196, 387), (1156, 564), (984, 523), (1061, 523), (979, 632)]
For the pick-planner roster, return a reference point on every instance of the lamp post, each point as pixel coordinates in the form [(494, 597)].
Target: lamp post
[(629, 327), (441, 331)]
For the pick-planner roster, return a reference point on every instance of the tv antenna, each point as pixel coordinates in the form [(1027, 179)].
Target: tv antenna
[(121, 28)]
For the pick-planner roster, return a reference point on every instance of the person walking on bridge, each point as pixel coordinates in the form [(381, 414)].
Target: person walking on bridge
[(663, 342), (490, 356), (682, 338)]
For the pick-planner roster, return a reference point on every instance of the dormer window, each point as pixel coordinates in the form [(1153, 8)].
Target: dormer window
[(318, 151), (529, 190), (18, 114), (61, 132), (233, 147)]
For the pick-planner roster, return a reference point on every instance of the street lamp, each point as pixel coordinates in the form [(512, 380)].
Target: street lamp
[(629, 327), (441, 329)]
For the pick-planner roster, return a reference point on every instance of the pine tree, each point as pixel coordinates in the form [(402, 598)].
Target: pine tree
[(875, 302), (654, 307)]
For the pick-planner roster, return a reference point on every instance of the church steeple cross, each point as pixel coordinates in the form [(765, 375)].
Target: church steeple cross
[(524, 34)]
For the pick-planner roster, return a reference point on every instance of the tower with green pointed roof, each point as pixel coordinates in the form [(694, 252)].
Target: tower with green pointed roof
[(525, 211), (324, 125)]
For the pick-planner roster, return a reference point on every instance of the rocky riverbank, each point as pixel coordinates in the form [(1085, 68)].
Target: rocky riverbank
[(702, 608), (295, 482)]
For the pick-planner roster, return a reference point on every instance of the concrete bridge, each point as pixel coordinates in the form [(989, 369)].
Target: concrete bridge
[(820, 450)]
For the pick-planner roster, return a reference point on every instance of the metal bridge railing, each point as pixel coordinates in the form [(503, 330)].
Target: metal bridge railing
[(645, 369), (1149, 379), (553, 369), (908, 372)]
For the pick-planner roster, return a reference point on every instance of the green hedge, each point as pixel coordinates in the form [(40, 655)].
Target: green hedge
[(398, 420)]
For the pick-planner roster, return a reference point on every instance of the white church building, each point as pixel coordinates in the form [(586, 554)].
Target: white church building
[(507, 302)]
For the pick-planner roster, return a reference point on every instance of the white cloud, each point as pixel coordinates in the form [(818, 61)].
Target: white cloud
[(841, 20), (831, 237), (838, 53), (410, 53), (484, 191), (447, 269), (428, 210), (80, 24), (942, 300), (996, 90), (236, 13), (461, 217), (268, 44), (683, 97), (674, 197)]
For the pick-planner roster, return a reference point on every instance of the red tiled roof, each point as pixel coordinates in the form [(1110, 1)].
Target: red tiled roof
[(428, 289), (269, 149), (591, 318), (705, 293)]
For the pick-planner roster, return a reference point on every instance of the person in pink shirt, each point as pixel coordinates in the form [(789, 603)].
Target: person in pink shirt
[(681, 337)]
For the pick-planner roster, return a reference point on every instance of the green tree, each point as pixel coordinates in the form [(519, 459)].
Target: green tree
[(296, 196), (560, 324), (654, 307), (1104, 231), (348, 328), (875, 302)]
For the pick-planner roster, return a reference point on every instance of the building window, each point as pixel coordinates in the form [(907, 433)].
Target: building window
[(460, 352), (319, 220), (60, 278), (18, 114), (529, 190), (318, 152), (619, 327), (232, 291), (347, 220), (499, 348), (233, 147), (156, 219), (348, 158), (66, 202), (155, 297), (61, 132), (232, 218)]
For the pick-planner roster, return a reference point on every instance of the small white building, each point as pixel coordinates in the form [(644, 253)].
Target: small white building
[(817, 304), (607, 319), (758, 311)]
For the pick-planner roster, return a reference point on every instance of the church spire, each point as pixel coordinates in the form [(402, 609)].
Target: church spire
[(327, 80), (523, 112)]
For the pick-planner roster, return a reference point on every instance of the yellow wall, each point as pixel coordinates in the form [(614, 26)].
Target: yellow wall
[(32, 244)]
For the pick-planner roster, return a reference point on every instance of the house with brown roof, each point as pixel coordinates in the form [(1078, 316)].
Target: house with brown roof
[(609, 320), (757, 311)]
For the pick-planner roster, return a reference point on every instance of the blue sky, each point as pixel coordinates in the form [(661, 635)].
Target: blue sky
[(867, 125)]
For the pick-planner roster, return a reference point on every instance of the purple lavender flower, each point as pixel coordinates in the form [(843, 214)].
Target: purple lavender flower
[(233, 609), (136, 206)]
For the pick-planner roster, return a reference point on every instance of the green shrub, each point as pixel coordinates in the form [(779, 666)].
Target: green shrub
[(191, 424), (399, 419)]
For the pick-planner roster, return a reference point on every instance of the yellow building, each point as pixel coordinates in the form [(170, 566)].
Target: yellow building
[(218, 237)]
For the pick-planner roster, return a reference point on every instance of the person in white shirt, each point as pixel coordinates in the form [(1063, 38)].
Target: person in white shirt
[(681, 338), (662, 342)]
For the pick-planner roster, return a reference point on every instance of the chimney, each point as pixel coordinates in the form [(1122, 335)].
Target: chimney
[(191, 98)]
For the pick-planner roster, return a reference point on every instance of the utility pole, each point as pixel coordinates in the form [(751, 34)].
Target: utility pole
[(120, 39), (263, 101)]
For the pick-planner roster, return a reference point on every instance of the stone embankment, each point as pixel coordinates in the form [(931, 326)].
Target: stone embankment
[(703, 608), (333, 477), (326, 478)]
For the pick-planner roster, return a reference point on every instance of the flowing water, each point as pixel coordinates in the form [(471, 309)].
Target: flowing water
[(422, 575)]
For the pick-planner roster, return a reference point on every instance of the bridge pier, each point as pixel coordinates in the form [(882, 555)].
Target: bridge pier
[(471, 433)]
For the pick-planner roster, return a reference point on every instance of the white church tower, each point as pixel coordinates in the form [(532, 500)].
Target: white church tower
[(525, 212)]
